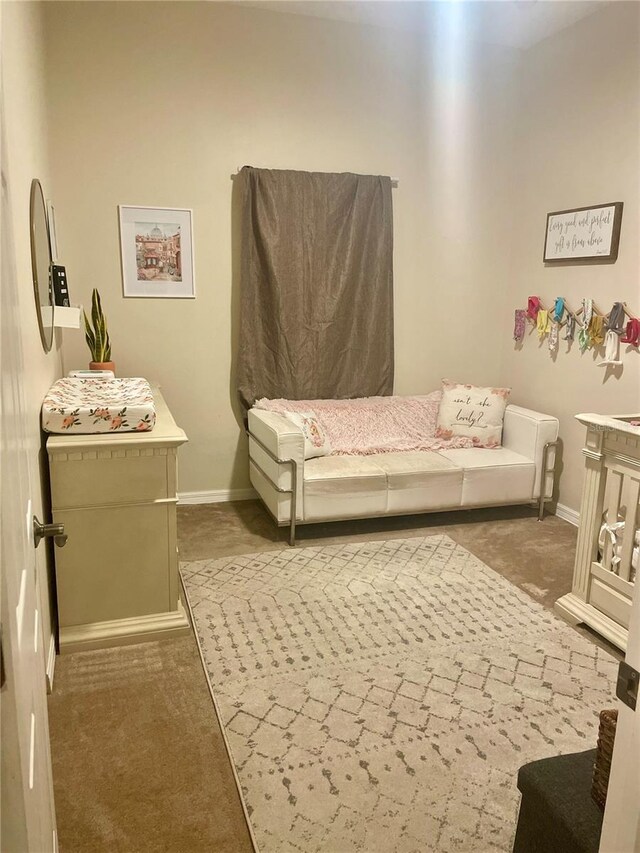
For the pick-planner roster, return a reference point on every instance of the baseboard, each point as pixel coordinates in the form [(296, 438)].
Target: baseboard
[(51, 663), (216, 496), (120, 632), (568, 514)]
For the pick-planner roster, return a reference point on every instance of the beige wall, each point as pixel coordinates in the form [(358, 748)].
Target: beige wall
[(467, 101), (157, 104), (578, 144), (27, 158)]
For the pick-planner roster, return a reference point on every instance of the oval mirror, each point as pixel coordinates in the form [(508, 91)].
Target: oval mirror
[(41, 263)]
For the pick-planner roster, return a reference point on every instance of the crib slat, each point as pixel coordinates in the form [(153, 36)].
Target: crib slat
[(614, 488), (631, 522)]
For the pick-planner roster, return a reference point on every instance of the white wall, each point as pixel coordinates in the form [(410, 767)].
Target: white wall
[(578, 144), (157, 104), (27, 156)]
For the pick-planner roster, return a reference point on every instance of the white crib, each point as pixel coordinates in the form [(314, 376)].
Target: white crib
[(603, 578)]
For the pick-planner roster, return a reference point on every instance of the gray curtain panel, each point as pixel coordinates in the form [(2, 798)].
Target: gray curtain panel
[(316, 285)]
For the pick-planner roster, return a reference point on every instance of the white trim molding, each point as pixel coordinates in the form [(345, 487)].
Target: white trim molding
[(216, 496), (568, 514), (119, 632)]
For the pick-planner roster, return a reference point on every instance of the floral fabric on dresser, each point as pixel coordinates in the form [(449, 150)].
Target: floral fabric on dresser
[(98, 405)]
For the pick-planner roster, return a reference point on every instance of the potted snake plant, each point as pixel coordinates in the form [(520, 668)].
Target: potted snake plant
[(97, 336)]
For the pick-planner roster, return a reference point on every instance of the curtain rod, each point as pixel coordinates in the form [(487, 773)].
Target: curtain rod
[(394, 181)]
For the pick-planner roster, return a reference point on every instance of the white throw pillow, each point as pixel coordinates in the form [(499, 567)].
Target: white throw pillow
[(316, 442), (472, 412)]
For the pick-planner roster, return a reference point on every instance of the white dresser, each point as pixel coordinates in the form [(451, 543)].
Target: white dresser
[(117, 576)]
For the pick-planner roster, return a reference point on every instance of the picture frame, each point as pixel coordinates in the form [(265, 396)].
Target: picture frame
[(583, 234), (156, 251)]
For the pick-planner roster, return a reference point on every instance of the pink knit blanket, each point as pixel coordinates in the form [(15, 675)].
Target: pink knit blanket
[(374, 424)]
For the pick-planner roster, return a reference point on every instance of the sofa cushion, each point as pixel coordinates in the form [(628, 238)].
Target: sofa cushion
[(420, 480), (343, 487), (498, 476)]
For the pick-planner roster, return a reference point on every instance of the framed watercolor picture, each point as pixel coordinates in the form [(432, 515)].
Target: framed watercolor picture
[(583, 234), (156, 246)]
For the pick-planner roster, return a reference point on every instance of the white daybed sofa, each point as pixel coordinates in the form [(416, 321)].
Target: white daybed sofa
[(332, 488)]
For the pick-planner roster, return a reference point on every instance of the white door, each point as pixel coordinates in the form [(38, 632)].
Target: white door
[(621, 828), (27, 822)]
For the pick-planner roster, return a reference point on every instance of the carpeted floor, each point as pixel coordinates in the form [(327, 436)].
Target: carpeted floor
[(380, 696), (139, 763), (138, 757)]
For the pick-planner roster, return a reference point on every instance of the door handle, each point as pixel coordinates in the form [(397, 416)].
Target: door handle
[(40, 531)]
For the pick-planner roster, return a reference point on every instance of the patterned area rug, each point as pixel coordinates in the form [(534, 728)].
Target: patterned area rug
[(381, 696)]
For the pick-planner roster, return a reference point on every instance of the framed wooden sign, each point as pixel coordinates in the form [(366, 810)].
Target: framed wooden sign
[(589, 234)]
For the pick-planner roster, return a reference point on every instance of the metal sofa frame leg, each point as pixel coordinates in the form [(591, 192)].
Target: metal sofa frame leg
[(543, 476)]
